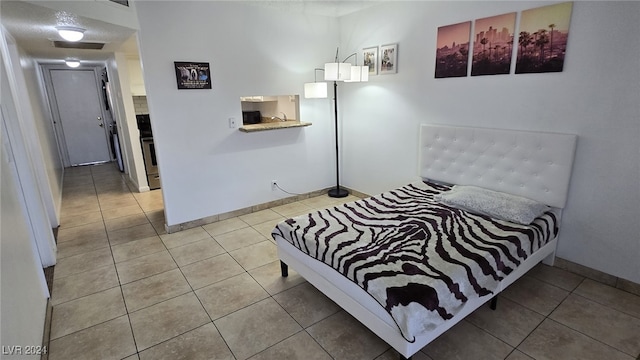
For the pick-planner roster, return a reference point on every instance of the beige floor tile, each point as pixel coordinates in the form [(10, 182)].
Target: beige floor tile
[(253, 329), (466, 341), (110, 340), (132, 357), (163, 321), (343, 337), (266, 228), (159, 226), (145, 266), (137, 248), (535, 294), (154, 289), (518, 355), (87, 311), (203, 343), (225, 226), (117, 202), (212, 270), (80, 246), (117, 237), (240, 238), (270, 278), (319, 202), (84, 206), (611, 297), (93, 230), (123, 211), (556, 276), (554, 341), (256, 255), (85, 283), (224, 297), (85, 218), (298, 346), (292, 209), (510, 322), (83, 262), (196, 251), (126, 222), (259, 217), (184, 237), (391, 354), (607, 325), (306, 304), (155, 215)]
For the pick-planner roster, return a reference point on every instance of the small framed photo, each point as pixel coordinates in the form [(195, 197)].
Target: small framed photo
[(370, 56), (192, 75), (388, 59)]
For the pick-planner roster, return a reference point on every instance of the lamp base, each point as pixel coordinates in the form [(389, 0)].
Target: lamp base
[(338, 192)]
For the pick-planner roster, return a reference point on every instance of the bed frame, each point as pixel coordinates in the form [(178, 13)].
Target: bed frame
[(535, 165)]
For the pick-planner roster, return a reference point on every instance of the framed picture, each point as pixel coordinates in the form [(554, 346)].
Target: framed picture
[(192, 75), (452, 52), (542, 39), (370, 56), (493, 45), (388, 59)]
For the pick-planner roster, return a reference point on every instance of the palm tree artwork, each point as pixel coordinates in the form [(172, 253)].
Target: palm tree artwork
[(496, 32), (541, 50)]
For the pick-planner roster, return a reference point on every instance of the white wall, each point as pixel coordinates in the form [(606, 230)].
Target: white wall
[(123, 110), (23, 293), (205, 167), (595, 97), (52, 160)]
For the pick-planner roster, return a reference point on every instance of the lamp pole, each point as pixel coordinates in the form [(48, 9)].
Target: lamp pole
[(337, 192)]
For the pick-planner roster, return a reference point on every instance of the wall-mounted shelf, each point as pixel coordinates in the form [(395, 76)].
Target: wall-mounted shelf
[(273, 126)]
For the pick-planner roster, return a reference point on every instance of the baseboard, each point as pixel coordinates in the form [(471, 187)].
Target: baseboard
[(46, 334), (599, 276), (244, 211)]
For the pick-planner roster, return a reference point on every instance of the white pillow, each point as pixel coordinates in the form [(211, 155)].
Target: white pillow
[(495, 204)]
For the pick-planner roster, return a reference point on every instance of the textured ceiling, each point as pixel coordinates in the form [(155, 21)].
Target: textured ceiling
[(33, 28)]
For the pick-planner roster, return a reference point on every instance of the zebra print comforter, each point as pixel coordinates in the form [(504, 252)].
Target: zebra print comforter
[(419, 259)]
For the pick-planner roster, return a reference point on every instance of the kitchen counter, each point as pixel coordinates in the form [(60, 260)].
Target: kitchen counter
[(273, 126)]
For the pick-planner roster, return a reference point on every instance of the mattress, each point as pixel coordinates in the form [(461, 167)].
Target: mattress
[(420, 260)]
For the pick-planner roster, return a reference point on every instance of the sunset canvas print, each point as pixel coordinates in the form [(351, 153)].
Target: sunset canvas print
[(493, 45), (542, 38), (452, 54)]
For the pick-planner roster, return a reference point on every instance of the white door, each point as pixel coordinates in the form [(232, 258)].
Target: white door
[(78, 103)]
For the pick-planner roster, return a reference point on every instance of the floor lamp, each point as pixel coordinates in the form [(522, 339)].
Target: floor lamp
[(337, 71)]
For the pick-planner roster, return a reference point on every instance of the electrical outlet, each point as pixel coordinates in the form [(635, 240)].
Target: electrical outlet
[(274, 185), (232, 123)]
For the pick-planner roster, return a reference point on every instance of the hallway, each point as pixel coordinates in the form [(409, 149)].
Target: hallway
[(124, 289)]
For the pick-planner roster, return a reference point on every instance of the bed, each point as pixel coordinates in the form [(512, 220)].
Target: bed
[(412, 262)]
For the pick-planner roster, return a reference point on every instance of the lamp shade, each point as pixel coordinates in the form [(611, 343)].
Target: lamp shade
[(359, 73), (337, 71), (315, 90), (70, 33)]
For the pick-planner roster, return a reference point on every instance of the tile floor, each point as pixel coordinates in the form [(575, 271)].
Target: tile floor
[(124, 289)]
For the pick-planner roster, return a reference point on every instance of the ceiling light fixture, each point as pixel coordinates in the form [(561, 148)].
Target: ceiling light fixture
[(72, 63), (71, 33)]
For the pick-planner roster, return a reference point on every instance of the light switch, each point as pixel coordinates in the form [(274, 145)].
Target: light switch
[(232, 123)]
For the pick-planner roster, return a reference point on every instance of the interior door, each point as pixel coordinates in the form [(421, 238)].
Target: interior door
[(79, 107)]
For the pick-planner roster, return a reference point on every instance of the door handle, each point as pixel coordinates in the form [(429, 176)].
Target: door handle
[(101, 124)]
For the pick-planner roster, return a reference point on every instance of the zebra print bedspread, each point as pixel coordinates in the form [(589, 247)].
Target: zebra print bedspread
[(419, 259)]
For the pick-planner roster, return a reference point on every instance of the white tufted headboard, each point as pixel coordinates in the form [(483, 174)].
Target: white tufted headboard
[(535, 165)]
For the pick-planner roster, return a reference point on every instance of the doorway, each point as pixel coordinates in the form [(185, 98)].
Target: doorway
[(79, 119)]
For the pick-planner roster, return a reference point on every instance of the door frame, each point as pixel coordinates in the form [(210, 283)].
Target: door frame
[(55, 113)]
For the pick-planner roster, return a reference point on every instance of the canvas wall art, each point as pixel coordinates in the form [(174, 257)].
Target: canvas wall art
[(493, 45), (452, 52), (542, 38)]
